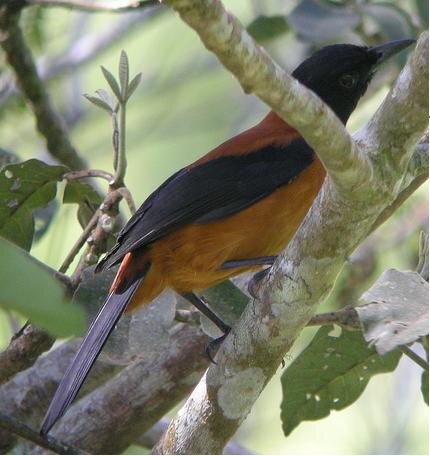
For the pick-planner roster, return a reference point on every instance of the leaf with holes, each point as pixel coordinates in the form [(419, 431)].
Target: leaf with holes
[(266, 28), (330, 374), (40, 298), (395, 310), (23, 188)]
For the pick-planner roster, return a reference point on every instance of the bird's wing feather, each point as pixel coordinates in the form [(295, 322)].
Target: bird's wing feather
[(211, 191)]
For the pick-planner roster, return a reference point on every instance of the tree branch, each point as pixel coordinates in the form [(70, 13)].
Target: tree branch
[(121, 410), (116, 6), (346, 317), (151, 437), (26, 396), (222, 34), (12, 425), (21, 60), (23, 351), (305, 272)]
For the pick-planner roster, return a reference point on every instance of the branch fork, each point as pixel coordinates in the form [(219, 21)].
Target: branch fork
[(361, 185)]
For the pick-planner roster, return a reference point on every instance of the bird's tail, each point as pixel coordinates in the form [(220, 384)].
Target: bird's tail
[(87, 353)]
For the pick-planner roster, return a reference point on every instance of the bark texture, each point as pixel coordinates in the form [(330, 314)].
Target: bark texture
[(365, 177)]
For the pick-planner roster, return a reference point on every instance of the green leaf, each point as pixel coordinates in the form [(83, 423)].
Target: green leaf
[(23, 188), (43, 218), (99, 103), (133, 85), (266, 28), (330, 374), (425, 386), (81, 193), (29, 289), (110, 78), (107, 99), (123, 73), (321, 20)]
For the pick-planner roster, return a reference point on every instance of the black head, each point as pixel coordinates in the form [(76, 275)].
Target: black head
[(339, 74)]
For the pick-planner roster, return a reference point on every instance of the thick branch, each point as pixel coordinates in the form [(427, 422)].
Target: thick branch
[(305, 272), (121, 410), (12, 425), (26, 396), (48, 122), (23, 351), (96, 5), (257, 73), (151, 437)]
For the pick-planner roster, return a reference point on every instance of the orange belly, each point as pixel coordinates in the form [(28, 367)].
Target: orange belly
[(189, 259)]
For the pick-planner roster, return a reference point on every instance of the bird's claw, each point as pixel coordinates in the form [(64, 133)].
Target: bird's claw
[(214, 344), (254, 283)]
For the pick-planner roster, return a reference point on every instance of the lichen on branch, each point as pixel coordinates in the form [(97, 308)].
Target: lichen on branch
[(359, 188)]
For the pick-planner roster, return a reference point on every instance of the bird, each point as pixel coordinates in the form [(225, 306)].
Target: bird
[(233, 210)]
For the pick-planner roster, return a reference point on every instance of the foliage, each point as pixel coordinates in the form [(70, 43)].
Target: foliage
[(310, 23), (23, 188), (395, 310), (330, 374), (29, 289)]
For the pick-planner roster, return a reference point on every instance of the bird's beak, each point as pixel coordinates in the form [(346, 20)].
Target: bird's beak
[(387, 50)]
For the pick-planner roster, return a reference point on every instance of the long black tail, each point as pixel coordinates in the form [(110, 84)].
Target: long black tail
[(87, 353)]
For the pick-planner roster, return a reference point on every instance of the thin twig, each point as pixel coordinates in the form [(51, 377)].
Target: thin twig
[(125, 193), (346, 317), (414, 357), (72, 175), (79, 243), (12, 425), (120, 157)]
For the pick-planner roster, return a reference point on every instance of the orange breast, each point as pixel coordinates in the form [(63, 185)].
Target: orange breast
[(189, 258)]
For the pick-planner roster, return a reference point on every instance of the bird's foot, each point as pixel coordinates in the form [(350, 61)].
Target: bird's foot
[(255, 281), (214, 345)]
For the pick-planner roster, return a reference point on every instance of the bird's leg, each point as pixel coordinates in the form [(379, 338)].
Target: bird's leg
[(258, 261), (204, 309), (254, 283)]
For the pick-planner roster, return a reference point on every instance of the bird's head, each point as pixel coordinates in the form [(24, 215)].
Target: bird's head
[(339, 74)]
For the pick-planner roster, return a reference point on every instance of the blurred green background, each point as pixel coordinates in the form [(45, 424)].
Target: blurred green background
[(187, 104)]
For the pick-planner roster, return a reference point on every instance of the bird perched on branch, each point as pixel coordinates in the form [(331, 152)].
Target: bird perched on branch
[(231, 211)]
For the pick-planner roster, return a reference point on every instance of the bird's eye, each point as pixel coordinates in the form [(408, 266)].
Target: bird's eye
[(348, 81)]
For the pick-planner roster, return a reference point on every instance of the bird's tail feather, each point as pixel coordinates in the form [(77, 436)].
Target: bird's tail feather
[(87, 353)]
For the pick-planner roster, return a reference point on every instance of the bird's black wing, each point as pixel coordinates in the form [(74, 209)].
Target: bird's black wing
[(211, 191)]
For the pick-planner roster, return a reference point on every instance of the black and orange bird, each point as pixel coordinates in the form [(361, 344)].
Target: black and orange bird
[(231, 211)]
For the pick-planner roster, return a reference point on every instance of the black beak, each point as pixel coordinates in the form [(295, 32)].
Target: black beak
[(387, 50)]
